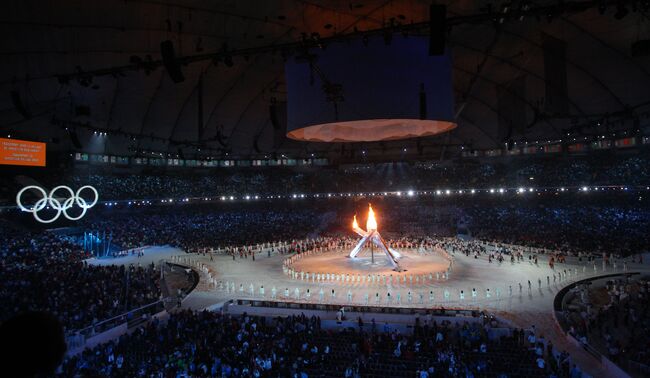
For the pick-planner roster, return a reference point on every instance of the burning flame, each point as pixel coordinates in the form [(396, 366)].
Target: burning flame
[(371, 223), (354, 223)]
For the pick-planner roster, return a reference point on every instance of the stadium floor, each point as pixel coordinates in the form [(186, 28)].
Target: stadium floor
[(521, 309)]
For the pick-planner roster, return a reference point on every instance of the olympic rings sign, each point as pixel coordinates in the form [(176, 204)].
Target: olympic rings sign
[(50, 200)]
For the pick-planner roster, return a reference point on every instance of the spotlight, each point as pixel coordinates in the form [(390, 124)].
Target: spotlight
[(410, 193)]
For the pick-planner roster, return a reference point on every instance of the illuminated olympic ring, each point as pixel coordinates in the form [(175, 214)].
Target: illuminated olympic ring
[(49, 199)]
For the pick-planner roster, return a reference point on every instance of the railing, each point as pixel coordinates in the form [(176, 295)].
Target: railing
[(559, 307), (453, 312), (77, 338), (193, 272)]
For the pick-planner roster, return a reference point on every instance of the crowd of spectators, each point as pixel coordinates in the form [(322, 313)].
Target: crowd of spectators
[(586, 224), (594, 169), (207, 344), (42, 272), (578, 227), (572, 224), (195, 227), (614, 318), (574, 171)]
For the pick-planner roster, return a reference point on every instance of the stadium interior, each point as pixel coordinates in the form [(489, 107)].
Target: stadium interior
[(325, 188)]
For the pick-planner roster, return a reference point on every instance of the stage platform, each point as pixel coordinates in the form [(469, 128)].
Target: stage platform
[(412, 262)]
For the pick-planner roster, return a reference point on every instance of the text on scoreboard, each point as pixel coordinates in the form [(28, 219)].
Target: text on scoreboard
[(22, 152)]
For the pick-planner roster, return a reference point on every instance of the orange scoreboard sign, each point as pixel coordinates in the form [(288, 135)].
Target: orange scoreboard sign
[(22, 152)]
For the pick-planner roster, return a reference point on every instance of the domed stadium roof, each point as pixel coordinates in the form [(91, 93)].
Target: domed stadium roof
[(70, 68)]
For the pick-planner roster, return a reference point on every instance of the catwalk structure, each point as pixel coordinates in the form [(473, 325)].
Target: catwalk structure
[(371, 237)]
